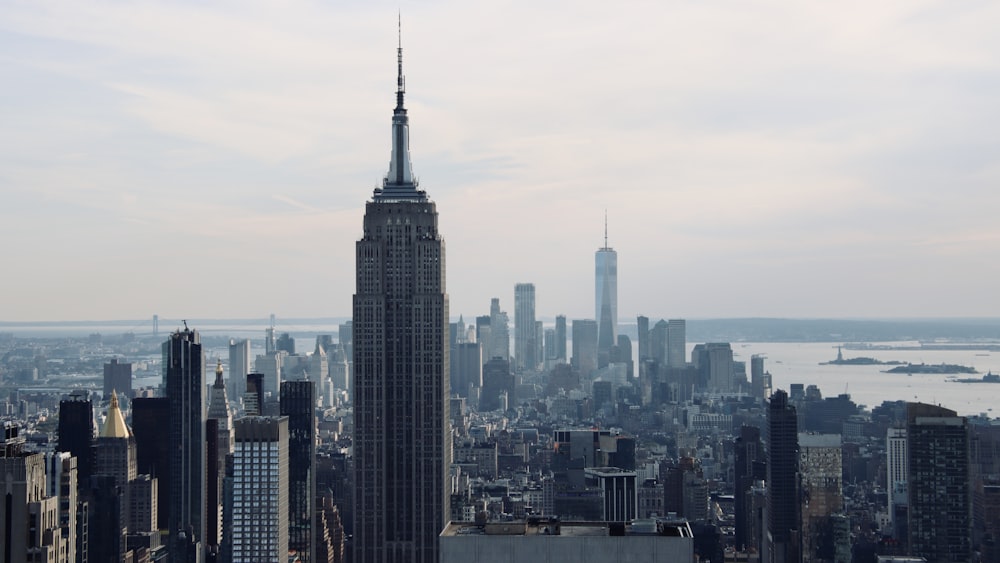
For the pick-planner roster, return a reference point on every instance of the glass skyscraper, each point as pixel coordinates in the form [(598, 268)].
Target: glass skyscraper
[(606, 298), (525, 333)]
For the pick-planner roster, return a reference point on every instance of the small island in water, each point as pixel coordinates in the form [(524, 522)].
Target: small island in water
[(932, 368), (860, 361)]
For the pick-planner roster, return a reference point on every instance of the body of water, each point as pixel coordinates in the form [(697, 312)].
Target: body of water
[(799, 363)]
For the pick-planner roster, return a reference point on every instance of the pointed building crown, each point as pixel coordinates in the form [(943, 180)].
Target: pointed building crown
[(115, 426), (399, 183), (605, 247), (219, 381)]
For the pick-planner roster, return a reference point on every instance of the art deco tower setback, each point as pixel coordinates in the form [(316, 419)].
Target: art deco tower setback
[(401, 376)]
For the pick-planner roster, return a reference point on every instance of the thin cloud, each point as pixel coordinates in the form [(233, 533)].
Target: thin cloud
[(800, 144), (297, 204)]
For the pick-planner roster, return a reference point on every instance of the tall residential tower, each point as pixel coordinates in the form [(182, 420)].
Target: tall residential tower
[(402, 441), (939, 520), (258, 503)]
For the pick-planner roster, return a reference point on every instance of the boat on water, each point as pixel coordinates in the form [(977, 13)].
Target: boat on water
[(990, 377)]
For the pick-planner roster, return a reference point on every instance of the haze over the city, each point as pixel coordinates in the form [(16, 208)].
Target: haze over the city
[(776, 159)]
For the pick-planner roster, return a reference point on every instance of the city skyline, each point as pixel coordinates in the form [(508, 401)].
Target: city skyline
[(785, 160)]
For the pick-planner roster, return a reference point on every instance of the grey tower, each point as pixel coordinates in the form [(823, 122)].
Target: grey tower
[(606, 298), (584, 347), (561, 338), (525, 336), (239, 367), (676, 343), (402, 441)]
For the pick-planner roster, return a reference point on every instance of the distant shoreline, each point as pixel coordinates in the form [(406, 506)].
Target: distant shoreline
[(946, 333)]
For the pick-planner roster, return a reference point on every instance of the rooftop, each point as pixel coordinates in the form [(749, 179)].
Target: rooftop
[(812, 440), (545, 526), (608, 471)]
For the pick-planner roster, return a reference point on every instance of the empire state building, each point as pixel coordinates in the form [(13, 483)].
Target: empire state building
[(402, 438)]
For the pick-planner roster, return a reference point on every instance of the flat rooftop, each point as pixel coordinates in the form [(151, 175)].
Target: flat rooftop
[(555, 527)]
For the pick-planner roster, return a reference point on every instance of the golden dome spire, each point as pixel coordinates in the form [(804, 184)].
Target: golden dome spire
[(114, 426), (219, 381)]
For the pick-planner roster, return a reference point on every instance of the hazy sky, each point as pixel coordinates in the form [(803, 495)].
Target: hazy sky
[(212, 159)]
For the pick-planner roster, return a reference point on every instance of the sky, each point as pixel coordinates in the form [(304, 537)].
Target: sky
[(754, 159)]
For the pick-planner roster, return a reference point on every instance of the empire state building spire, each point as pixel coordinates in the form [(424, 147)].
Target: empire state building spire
[(399, 183), (402, 380)]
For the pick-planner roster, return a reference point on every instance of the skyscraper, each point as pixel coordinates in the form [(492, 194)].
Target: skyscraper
[(561, 338), (285, 343), (218, 411), (719, 368), (270, 343), (896, 480), (606, 298), (539, 344), (114, 452), (676, 343), (259, 482), (319, 370), (783, 536), (117, 377), (30, 521), (270, 366), (940, 505), (253, 399), (524, 328), (622, 354), (642, 327), (467, 368), (153, 448), (239, 367), (184, 374), (584, 347), (895, 454), (757, 376), (345, 336), (76, 432), (340, 369), (619, 492), (498, 383), (298, 403), (114, 470), (820, 470), (499, 332), (749, 467), (549, 344), (402, 441), (61, 476), (657, 346)]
